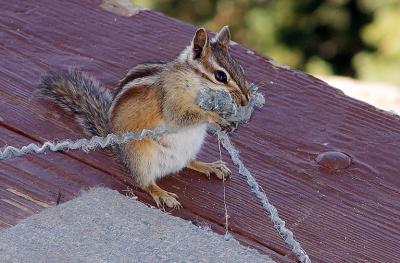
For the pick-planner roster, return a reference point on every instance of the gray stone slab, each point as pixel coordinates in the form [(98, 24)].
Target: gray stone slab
[(105, 226)]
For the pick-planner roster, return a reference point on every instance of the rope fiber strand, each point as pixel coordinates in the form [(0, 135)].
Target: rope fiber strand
[(85, 144)]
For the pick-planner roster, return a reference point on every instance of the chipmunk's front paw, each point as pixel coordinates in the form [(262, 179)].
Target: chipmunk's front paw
[(226, 125)]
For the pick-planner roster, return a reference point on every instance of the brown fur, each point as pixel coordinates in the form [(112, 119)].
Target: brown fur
[(138, 108), (140, 71)]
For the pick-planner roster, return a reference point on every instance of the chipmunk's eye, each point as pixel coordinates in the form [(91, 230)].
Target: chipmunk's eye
[(220, 76)]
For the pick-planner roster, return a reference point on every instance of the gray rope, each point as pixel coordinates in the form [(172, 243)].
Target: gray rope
[(84, 144), (271, 210)]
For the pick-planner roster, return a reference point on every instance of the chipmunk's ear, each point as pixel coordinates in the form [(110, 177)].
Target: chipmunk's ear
[(223, 36), (200, 43)]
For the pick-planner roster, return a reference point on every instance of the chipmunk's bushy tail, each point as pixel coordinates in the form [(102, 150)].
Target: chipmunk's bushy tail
[(82, 95)]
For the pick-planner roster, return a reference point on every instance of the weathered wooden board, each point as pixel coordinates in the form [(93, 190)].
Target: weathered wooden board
[(351, 215)]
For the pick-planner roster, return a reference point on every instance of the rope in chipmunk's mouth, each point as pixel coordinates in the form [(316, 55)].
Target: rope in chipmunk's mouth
[(209, 100)]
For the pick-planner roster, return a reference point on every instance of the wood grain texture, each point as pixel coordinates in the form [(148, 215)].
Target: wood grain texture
[(351, 215)]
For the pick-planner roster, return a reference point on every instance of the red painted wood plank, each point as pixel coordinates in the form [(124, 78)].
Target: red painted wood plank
[(350, 215)]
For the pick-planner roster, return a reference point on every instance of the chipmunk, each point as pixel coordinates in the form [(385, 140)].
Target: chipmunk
[(158, 96)]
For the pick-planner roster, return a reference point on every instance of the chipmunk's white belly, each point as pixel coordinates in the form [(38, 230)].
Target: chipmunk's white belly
[(177, 149)]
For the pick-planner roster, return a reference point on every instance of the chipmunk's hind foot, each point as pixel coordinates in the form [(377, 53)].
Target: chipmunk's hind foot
[(218, 168), (162, 197)]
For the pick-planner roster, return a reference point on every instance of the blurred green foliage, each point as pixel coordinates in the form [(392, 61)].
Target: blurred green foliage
[(357, 38)]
